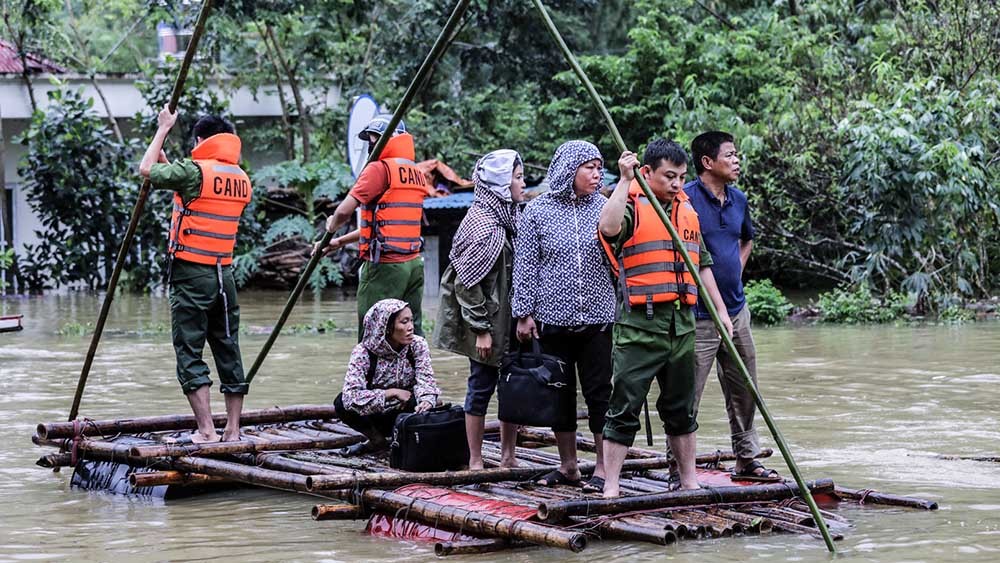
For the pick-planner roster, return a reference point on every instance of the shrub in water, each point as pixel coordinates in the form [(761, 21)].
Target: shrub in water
[(767, 304), (857, 304)]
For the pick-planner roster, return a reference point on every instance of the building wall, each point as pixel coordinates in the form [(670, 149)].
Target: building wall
[(125, 101)]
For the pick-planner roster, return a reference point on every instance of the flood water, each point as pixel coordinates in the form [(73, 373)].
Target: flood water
[(870, 407)]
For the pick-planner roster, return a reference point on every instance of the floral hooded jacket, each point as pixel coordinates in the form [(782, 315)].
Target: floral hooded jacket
[(393, 369)]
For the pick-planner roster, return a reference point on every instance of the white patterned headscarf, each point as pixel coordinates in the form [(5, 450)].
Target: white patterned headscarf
[(565, 162), (492, 217)]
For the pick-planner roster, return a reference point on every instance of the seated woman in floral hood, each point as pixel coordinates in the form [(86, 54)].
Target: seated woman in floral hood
[(389, 373)]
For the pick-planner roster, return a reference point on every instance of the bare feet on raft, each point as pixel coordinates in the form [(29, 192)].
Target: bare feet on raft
[(197, 437), (509, 463), (231, 435)]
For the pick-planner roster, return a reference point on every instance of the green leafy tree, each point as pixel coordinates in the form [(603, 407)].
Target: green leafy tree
[(76, 178)]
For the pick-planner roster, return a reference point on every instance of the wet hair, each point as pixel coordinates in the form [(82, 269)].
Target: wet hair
[(662, 149), (208, 125), (708, 144)]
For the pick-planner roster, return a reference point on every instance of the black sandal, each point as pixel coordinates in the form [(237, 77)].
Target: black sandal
[(556, 477), (593, 485), (749, 473)]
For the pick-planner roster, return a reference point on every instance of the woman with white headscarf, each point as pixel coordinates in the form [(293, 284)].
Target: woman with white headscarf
[(474, 317)]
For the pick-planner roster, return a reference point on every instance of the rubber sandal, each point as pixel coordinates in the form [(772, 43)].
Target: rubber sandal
[(594, 485), (749, 473), (361, 448), (556, 477)]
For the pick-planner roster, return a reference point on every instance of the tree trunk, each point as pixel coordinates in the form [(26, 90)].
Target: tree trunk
[(293, 82), (286, 121), (18, 39)]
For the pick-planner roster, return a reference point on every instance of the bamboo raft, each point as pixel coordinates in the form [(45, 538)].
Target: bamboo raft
[(297, 449)]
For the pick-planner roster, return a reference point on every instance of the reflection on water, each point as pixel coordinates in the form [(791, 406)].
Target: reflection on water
[(867, 406)]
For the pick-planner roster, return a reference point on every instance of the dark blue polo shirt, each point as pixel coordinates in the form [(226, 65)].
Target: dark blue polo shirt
[(723, 226)]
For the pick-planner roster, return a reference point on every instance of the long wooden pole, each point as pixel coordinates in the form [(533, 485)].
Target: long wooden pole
[(491, 475), (557, 511), (133, 224), (242, 447), (435, 54), (56, 430), (705, 298)]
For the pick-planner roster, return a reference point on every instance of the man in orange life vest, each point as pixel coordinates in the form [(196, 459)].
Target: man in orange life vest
[(654, 331), (210, 192), (391, 193)]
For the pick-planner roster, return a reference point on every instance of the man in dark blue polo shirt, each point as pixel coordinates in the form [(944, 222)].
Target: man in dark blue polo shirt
[(727, 232)]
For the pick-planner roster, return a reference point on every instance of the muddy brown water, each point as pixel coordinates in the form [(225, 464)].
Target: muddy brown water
[(870, 407)]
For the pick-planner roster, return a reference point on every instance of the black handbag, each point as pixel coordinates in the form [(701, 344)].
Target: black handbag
[(430, 441), (532, 387)]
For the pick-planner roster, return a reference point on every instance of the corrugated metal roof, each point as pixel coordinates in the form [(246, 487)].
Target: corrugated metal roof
[(11, 63), (461, 200)]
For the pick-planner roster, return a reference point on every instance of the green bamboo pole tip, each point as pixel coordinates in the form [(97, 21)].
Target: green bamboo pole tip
[(437, 50), (706, 300), (133, 224)]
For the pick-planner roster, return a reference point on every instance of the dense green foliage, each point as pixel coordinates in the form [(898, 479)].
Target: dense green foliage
[(869, 131), (860, 305), (767, 304), (74, 174)]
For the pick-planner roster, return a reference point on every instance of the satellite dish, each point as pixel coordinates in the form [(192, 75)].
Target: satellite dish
[(363, 109)]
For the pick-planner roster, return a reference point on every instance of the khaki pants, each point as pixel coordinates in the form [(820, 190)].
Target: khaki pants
[(740, 405)]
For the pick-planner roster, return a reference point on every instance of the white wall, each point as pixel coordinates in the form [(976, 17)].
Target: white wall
[(125, 101)]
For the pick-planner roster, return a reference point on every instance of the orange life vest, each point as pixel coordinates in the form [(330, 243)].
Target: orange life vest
[(392, 222), (203, 230), (653, 271)]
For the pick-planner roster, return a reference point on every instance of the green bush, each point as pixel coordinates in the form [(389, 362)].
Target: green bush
[(956, 314), (852, 305), (767, 304)]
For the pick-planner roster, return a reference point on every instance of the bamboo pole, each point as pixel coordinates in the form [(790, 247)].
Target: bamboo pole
[(785, 514), (437, 50), (57, 430), (473, 547), (751, 524), (713, 526), (466, 477), (629, 531), (868, 496), (557, 511), (140, 203), (55, 461), (682, 529), (281, 463), (705, 299), (241, 447), (242, 473), (474, 522), (157, 478), (338, 512)]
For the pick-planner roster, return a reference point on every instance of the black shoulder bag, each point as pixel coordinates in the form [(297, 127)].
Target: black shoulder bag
[(531, 387)]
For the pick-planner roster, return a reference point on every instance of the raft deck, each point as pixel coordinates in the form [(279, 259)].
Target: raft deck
[(297, 449)]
